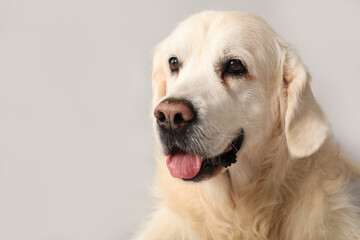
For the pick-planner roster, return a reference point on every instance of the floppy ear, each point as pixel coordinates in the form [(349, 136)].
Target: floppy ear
[(158, 80), (306, 126)]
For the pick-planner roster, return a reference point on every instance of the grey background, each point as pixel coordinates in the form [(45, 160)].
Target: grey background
[(75, 90)]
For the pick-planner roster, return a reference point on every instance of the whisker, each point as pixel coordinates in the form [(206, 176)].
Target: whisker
[(233, 146)]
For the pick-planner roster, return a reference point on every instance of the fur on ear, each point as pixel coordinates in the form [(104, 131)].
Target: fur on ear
[(306, 126)]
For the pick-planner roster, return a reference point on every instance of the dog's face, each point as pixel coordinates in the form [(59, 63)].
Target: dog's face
[(218, 85)]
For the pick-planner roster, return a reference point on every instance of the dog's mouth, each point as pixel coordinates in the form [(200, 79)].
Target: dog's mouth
[(191, 167)]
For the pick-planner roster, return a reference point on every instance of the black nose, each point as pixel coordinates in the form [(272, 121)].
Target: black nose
[(174, 114)]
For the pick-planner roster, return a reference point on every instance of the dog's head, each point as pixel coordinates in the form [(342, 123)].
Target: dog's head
[(220, 82)]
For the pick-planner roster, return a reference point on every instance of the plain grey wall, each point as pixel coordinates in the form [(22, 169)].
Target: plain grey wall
[(75, 133)]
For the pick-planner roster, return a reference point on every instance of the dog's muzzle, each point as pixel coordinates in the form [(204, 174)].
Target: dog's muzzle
[(176, 121)]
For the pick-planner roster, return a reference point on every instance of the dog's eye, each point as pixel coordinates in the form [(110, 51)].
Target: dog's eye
[(174, 64), (235, 67)]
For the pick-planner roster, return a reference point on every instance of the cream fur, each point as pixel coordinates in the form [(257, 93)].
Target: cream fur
[(289, 181)]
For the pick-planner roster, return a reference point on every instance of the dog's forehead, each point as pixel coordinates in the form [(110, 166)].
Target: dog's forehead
[(218, 33)]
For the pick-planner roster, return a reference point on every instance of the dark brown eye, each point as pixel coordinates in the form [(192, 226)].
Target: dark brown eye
[(235, 67), (174, 64)]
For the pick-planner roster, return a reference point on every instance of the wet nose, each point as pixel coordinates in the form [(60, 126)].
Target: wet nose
[(174, 114)]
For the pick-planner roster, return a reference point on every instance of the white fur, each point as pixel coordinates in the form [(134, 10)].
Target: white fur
[(289, 181)]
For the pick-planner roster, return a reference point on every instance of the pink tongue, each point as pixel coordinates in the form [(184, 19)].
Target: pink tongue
[(183, 165)]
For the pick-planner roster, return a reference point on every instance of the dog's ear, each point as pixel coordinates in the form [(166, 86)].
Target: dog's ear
[(158, 79), (306, 126)]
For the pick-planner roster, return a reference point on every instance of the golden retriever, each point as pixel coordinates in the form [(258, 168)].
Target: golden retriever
[(243, 148)]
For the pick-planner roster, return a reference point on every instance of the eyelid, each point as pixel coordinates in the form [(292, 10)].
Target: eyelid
[(222, 63), (174, 56)]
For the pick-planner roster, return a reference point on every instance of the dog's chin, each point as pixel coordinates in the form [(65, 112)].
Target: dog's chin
[(191, 167)]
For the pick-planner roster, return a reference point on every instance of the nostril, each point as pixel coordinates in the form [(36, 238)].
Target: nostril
[(161, 117), (171, 114), (178, 118)]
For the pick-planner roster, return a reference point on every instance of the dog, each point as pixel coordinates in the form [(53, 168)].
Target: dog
[(243, 149)]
